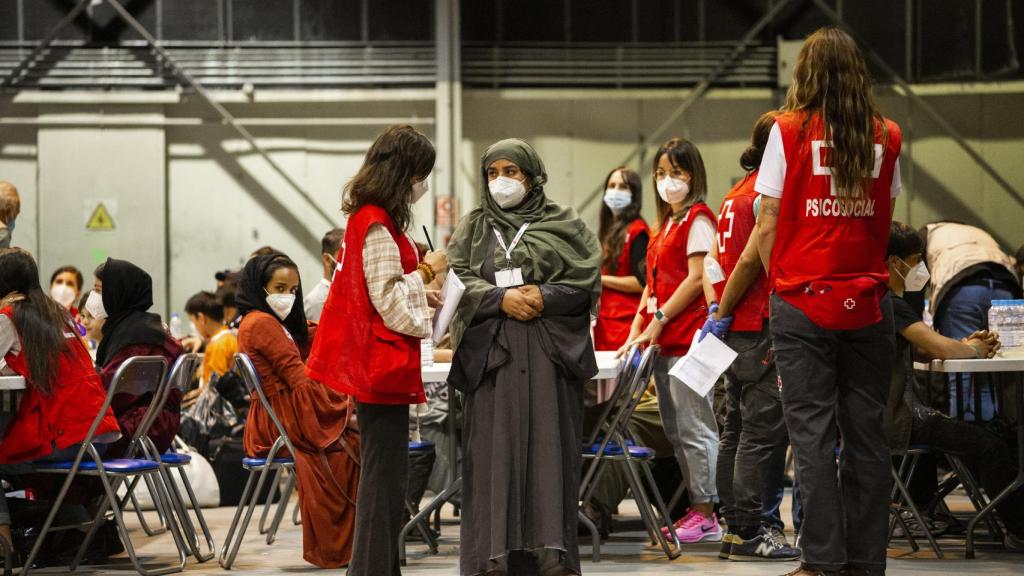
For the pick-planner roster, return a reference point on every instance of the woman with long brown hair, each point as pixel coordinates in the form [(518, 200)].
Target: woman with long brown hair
[(368, 343), (623, 235), (828, 179)]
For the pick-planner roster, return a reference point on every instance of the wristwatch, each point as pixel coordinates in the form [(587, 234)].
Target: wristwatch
[(660, 316)]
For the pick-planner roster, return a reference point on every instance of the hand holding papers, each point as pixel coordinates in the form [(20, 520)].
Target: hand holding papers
[(703, 365), (451, 294)]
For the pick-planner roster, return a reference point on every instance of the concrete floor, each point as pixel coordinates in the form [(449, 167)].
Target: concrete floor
[(626, 552)]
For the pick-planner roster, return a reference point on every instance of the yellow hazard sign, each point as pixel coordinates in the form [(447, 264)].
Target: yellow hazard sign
[(100, 219)]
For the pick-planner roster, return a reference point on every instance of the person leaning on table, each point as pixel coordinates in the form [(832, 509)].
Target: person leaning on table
[(909, 421)]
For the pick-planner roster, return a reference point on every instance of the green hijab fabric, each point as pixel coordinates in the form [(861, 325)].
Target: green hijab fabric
[(557, 248)]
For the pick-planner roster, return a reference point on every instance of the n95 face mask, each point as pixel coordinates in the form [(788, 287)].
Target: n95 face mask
[(673, 190), (281, 304), (507, 192)]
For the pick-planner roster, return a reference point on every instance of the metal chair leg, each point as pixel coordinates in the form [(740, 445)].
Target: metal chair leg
[(274, 484), (250, 508), (916, 513), (198, 511), (281, 507), (243, 502), (595, 537)]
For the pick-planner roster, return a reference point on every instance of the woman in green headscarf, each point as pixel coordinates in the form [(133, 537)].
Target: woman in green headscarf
[(522, 354)]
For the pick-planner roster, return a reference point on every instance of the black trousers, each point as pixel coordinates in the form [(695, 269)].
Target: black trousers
[(835, 383), (754, 430), (384, 477), (986, 454)]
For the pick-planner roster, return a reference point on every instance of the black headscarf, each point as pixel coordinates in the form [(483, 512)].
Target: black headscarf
[(252, 295), (127, 297)]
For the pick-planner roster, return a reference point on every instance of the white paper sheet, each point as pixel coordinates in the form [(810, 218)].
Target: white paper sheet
[(704, 364), (451, 295)]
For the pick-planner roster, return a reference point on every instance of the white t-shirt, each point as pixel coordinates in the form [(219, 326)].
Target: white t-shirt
[(772, 175), (702, 236)]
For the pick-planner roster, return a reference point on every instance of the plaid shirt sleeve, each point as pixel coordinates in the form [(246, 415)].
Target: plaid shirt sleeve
[(400, 299)]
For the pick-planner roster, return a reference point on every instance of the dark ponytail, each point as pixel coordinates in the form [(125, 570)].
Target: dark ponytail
[(750, 160), (41, 323)]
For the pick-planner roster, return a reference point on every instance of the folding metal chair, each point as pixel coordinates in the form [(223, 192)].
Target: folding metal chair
[(901, 500), (618, 446), (179, 378), (258, 467), (138, 375)]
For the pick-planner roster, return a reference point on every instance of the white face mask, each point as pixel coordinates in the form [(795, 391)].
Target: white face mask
[(507, 192), (617, 200), (419, 190), (62, 294), (916, 278), (281, 304), (673, 190), (94, 305)]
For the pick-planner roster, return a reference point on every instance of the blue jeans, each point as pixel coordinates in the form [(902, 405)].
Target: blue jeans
[(963, 312)]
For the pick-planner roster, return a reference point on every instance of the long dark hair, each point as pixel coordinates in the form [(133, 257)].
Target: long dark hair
[(682, 154), (612, 229), (41, 323), (398, 156), (831, 78)]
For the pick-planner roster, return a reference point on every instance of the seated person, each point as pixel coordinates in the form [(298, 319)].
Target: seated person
[(37, 341), (66, 285), (330, 245), (909, 420), (207, 315), (225, 294), (276, 337), (93, 327), (121, 297)]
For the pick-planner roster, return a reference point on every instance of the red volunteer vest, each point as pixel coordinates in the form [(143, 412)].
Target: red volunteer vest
[(618, 308), (46, 423), (354, 352), (736, 224), (829, 257), (666, 268)]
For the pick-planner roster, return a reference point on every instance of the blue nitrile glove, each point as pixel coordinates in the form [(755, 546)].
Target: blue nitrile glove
[(717, 327)]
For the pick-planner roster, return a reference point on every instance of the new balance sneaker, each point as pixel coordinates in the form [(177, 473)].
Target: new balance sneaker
[(726, 548), (696, 527), (763, 548)]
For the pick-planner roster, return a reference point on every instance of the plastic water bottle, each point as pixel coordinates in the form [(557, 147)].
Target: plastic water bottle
[(1007, 318), (1014, 322), (177, 326), (995, 318)]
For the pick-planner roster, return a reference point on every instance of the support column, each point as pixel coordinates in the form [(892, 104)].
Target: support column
[(448, 119)]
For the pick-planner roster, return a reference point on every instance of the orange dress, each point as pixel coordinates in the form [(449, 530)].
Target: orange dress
[(315, 419)]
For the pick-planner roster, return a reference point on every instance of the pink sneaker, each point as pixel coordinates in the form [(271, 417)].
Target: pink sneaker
[(679, 523), (696, 527)]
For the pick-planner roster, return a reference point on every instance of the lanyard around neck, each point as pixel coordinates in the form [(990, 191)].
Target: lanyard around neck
[(508, 248)]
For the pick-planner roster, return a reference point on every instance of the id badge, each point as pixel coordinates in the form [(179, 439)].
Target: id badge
[(652, 305), (509, 278)]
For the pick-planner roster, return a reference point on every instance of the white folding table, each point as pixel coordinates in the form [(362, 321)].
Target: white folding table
[(1011, 361)]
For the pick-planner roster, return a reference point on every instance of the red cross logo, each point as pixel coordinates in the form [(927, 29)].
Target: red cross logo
[(850, 304)]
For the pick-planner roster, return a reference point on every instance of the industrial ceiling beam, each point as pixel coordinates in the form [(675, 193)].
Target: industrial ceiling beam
[(698, 91), (226, 116), (15, 75)]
